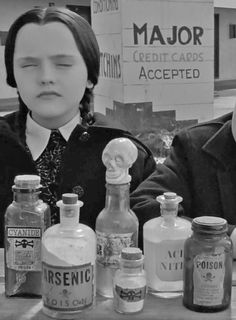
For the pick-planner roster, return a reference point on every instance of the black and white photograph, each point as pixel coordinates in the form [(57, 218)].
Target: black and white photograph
[(118, 159)]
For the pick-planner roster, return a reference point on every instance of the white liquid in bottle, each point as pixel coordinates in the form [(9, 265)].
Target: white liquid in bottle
[(164, 239), (68, 263)]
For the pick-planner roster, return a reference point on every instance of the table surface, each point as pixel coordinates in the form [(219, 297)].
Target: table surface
[(154, 307)]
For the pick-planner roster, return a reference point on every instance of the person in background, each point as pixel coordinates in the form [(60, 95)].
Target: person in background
[(52, 59), (201, 168)]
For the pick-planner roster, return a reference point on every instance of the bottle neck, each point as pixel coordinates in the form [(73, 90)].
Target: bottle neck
[(169, 215), (117, 196), (69, 215), (131, 266), (210, 236), (24, 198)]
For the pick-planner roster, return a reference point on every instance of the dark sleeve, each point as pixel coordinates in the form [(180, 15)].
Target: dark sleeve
[(231, 228), (149, 163), (144, 166), (173, 176)]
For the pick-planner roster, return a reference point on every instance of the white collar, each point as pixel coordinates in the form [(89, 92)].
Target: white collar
[(37, 137)]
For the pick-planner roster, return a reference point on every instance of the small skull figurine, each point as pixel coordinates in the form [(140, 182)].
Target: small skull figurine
[(118, 156)]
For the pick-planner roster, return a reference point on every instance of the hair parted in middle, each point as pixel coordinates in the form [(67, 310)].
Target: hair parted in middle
[(83, 35)]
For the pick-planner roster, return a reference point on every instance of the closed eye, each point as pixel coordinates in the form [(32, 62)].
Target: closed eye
[(63, 61), (29, 65), (64, 65)]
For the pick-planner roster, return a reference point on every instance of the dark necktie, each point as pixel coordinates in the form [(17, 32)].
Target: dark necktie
[(48, 166)]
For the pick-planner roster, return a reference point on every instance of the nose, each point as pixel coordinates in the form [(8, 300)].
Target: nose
[(46, 74), (112, 164)]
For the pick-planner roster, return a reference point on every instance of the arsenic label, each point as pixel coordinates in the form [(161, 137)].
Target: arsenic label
[(68, 288)]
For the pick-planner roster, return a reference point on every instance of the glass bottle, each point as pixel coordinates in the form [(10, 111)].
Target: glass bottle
[(26, 218), (129, 284), (164, 238), (208, 266), (68, 263), (116, 225)]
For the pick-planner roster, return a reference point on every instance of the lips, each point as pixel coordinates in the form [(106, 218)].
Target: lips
[(48, 94)]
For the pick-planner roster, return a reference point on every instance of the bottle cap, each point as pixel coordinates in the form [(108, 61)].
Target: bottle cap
[(170, 195), (27, 181), (210, 224), (118, 156), (169, 200), (69, 198), (131, 253)]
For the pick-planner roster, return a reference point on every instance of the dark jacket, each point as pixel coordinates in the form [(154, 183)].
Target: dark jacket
[(82, 167), (201, 168)]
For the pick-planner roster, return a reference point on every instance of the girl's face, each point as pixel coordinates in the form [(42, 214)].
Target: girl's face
[(50, 73)]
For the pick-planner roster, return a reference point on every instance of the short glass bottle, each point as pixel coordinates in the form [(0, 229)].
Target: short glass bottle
[(129, 283), (164, 238), (116, 228), (208, 266), (68, 263), (26, 218)]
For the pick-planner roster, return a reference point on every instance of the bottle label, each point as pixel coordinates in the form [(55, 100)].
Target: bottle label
[(129, 299), (109, 246), (169, 260), (131, 294), (23, 248), (208, 278), (68, 288)]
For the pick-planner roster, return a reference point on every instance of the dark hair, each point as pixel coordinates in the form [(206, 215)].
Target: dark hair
[(84, 37)]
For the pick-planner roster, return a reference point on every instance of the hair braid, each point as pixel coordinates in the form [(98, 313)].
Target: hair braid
[(85, 110)]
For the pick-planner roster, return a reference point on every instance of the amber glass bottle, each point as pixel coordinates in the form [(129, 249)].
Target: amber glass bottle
[(26, 219), (208, 266)]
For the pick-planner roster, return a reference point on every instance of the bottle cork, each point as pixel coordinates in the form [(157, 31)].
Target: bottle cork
[(69, 198), (169, 200), (131, 253), (170, 195)]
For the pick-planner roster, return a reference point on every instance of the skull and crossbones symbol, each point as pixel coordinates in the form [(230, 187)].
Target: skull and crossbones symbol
[(130, 295), (24, 243)]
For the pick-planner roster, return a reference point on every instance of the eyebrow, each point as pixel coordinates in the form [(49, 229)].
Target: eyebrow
[(56, 56)]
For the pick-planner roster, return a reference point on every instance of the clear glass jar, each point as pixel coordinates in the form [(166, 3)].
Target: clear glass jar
[(129, 283), (208, 266), (164, 239), (116, 228), (68, 263), (26, 219)]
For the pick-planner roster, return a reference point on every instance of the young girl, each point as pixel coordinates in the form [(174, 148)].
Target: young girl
[(52, 59)]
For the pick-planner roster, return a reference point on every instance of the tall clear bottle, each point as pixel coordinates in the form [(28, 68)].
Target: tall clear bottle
[(116, 224), (164, 239), (68, 262), (26, 219)]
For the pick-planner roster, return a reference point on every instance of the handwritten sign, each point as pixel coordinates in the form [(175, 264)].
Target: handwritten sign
[(166, 54)]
